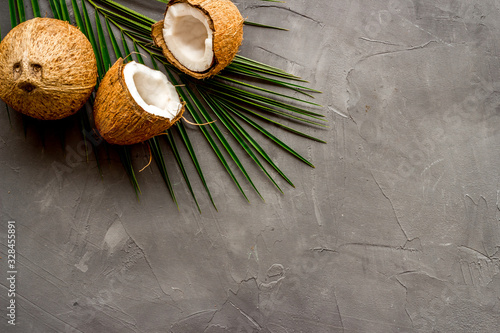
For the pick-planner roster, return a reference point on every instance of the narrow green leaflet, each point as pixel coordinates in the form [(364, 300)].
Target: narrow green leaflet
[(248, 73), (57, 4), (78, 18), (261, 67), (13, 14), (264, 100), (145, 30), (114, 43), (36, 8), (218, 110), (125, 158), (272, 137), (8, 114), (254, 143), (222, 139), (241, 83), (126, 50), (92, 39), (20, 10), (264, 25), (207, 135), (256, 114), (54, 10), (187, 142), (160, 162), (106, 61), (138, 54), (64, 10), (138, 17), (173, 145), (264, 107)]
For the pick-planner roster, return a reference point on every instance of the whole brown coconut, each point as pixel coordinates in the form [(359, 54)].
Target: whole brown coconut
[(47, 69), (224, 25), (135, 103)]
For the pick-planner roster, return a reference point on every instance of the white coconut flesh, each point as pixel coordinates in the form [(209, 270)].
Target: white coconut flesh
[(151, 90), (188, 36)]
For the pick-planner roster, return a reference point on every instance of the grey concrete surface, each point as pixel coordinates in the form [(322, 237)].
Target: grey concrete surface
[(395, 230)]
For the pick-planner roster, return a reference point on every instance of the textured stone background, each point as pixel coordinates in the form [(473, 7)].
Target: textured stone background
[(396, 230)]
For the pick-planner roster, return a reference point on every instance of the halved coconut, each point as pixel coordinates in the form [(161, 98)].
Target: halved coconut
[(135, 103), (199, 37), (47, 68)]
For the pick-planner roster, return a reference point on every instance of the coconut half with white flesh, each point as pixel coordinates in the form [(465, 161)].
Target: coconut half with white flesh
[(47, 69), (199, 37), (135, 103)]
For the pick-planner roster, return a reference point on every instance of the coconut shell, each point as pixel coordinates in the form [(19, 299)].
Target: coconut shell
[(226, 23), (47, 68), (118, 117)]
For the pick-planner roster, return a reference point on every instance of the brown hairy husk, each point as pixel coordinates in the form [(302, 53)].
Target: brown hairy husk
[(47, 68), (118, 118), (227, 25)]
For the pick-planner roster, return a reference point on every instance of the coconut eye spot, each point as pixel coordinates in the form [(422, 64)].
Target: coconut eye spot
[(188, 36), (151, 90), (36, 67), (17, 70), (36, 70)]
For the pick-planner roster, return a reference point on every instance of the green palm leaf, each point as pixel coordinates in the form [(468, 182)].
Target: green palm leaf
[(144, 30), (78, 18), (54, 9), (270, 136), (114, 43), (257, 66), (261, 106), (92, 39), (187, 142), (36, 8), (252, 75), (258, 115), (137, 17), (103, 47), (252, 86), (260, 25), (192, 111), (13, 13), (160, 162), (64, 10), (20, 10), (243, 90), (125, 158), (177, 155), (222, 139), (219, 111), (258, 98), (254, 143), (57, 5)]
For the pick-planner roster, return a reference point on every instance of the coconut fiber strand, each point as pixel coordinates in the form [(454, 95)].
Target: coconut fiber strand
[(47, 68), (226, 23)]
